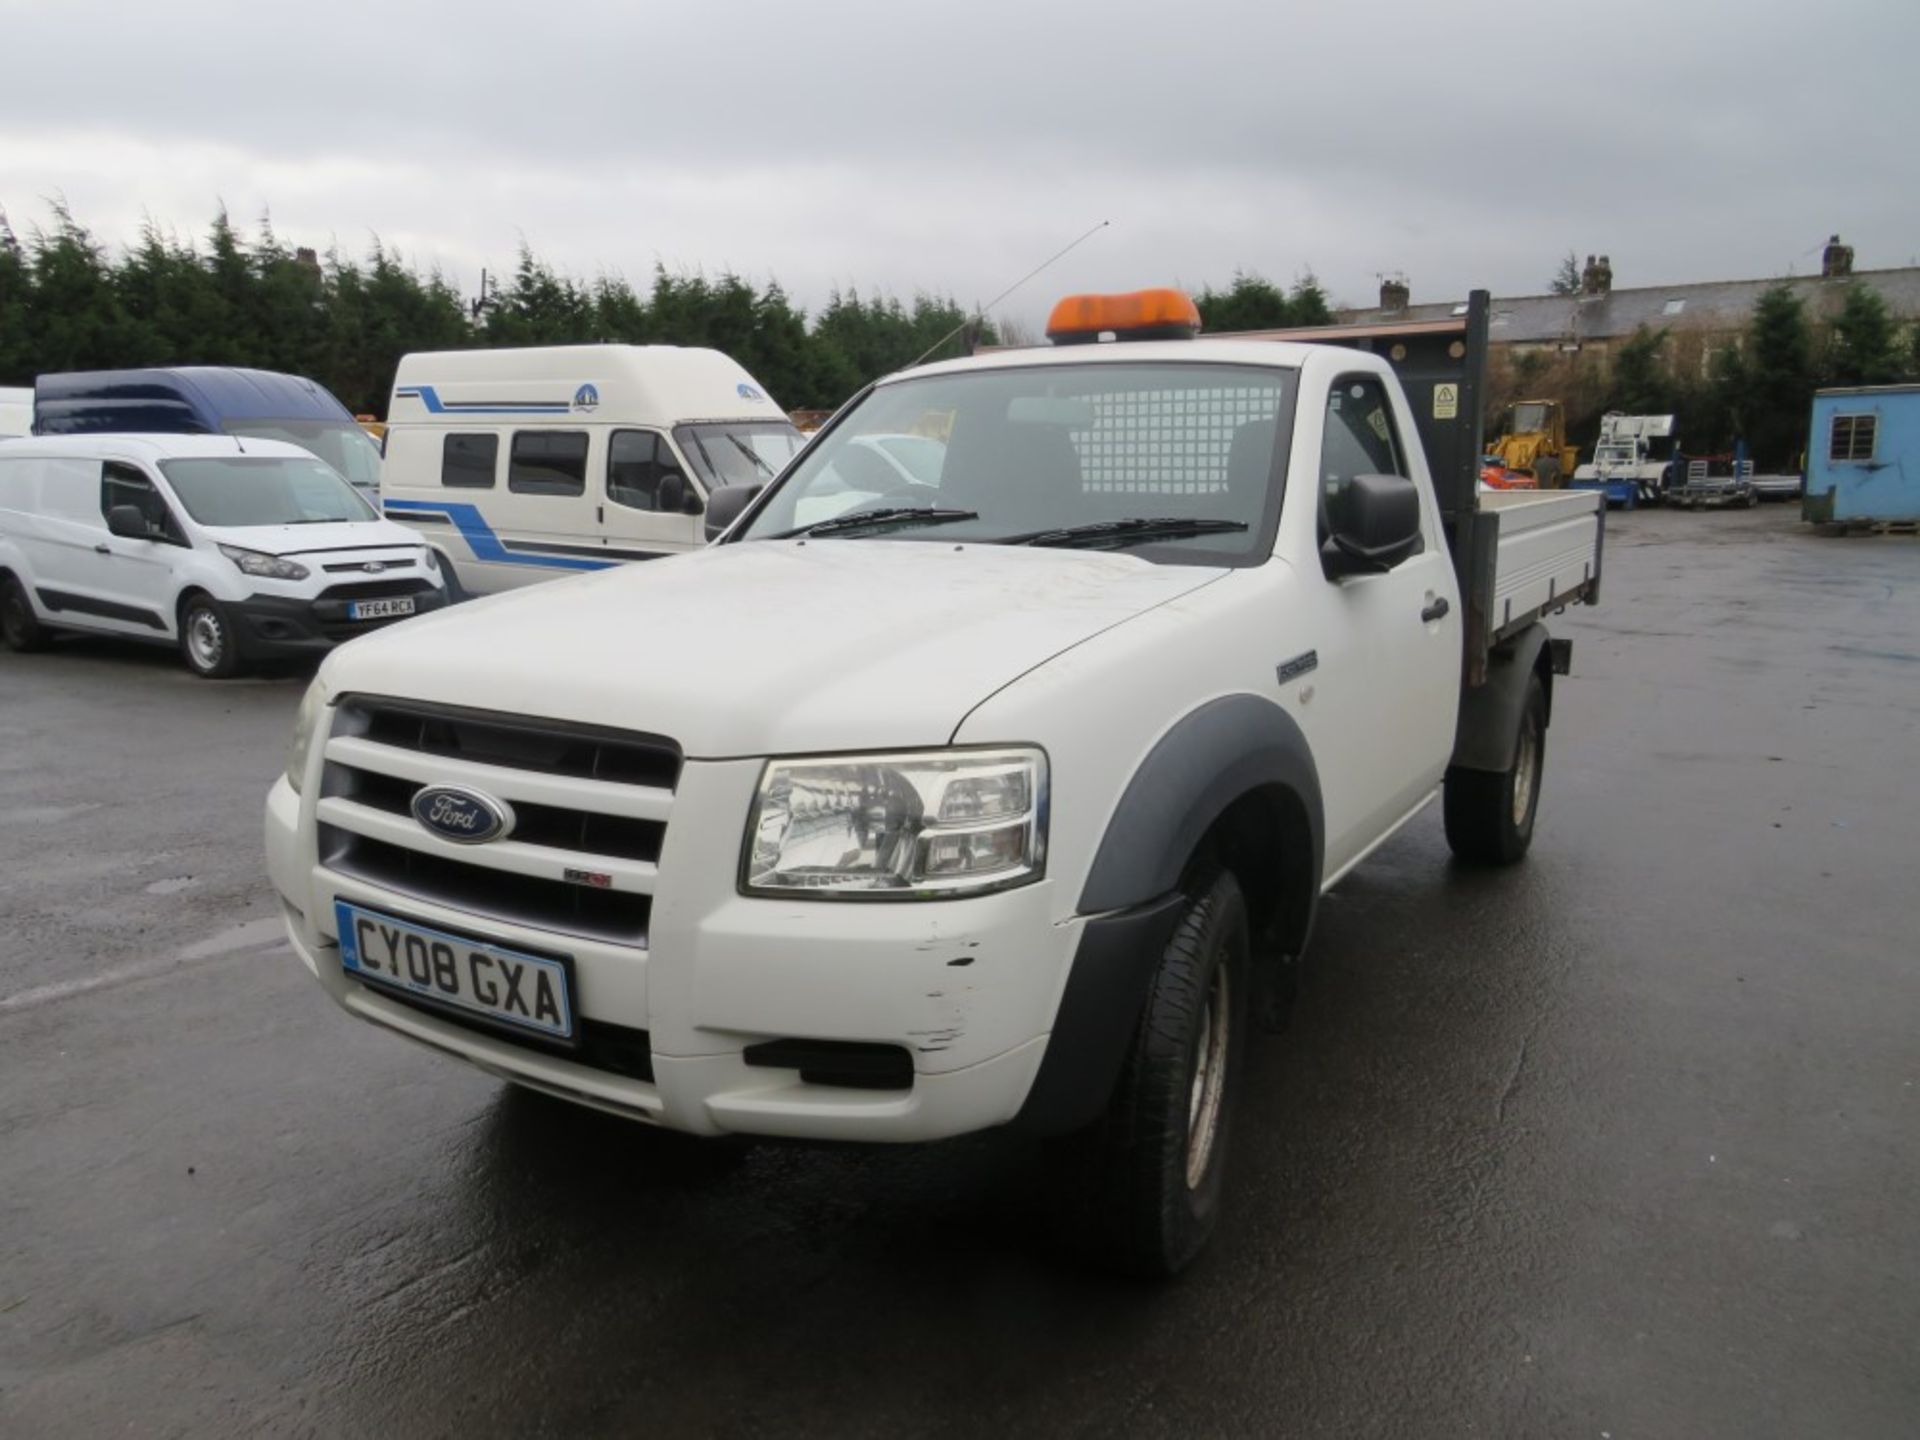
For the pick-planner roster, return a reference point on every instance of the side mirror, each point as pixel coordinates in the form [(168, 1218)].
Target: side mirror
[(1373, 524), (725, 505), (128, 523)]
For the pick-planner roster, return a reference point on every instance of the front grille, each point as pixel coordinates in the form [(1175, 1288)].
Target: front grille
[(616, 916), (551, 825), (359, 567), (375, 589), (590, 814), (586, 752)]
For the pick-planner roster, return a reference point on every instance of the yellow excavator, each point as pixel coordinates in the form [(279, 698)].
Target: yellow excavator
[(1533, 440)]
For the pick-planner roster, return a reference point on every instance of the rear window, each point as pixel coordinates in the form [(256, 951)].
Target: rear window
[(548, 462)]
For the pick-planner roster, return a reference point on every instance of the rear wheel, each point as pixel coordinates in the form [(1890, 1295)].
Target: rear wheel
[(207, 641), (19, 626), (1489, 814), (1151, 1169)]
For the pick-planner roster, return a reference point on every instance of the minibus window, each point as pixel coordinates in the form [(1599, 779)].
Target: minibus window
[(739, 452), (467, 461), (548, 462), (637, 461)]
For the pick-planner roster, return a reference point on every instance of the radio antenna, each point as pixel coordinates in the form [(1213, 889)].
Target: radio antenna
[(980, 312)]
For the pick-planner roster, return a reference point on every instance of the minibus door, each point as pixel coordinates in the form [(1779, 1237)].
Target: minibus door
[(651, 506)]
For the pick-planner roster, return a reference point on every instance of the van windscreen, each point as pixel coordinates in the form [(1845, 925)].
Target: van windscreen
[(263, 490), (739, 452), (344, 446)]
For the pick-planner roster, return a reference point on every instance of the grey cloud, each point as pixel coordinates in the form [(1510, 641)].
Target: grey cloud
[(952, 145)]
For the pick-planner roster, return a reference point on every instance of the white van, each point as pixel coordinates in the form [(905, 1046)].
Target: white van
[(235, 550), (523, 465), (16, 411)]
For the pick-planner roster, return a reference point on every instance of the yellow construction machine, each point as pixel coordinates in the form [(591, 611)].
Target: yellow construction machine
[(1533, 440)]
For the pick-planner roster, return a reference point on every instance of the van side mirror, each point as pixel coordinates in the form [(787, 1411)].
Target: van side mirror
[(128, 523), (725, 505), (1373, 523)]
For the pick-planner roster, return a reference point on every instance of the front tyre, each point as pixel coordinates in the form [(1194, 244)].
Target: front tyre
[(207, 641), (19, 626), (1489, 814), (1152, 1166)]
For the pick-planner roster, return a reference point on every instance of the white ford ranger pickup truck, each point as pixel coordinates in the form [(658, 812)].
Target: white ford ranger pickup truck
[(911, 809)]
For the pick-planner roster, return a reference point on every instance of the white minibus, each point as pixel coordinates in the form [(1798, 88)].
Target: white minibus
[(522, 465)]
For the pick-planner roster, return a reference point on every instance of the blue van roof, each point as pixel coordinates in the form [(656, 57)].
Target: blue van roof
[(192, 396)]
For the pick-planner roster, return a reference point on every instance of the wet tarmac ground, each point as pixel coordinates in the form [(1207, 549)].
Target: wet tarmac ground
[(1624, 1142)]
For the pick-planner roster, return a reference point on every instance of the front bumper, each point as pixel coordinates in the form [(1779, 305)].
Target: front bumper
[(277, 626), (967, 988)]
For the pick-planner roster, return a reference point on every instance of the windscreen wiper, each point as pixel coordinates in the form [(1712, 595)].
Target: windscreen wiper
[(1116, 534), (751, 453), (887, 517)]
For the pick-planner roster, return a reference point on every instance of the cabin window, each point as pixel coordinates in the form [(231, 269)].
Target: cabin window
[(548, 462), (467, 461), (1852, 437), (126, 485), (637, 462)]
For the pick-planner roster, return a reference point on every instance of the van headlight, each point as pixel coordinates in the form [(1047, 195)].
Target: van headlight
[(267, 567), (313, 705), (927, 826)]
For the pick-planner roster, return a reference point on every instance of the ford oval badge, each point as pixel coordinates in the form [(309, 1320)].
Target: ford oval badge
[(465, 816)]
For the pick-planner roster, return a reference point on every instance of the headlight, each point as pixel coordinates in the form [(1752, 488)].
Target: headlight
[(935, 825), (430, 559), (267, 567), (313, 705)]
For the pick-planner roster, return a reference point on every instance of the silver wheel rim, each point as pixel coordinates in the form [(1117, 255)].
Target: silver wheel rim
[(206, 640), (1526, 765), (1209, 1077)]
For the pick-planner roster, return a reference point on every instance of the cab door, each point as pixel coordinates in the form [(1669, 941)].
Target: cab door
[(1389, 687), (650, 505), (133, 580)]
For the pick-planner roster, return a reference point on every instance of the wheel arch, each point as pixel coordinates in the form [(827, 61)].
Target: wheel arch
[(1233, 780), (1490, 712)]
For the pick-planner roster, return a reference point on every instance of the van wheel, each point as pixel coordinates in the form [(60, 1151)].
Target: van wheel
[(1150, 1170), (207, 640), (19, 626), (1489, 815)]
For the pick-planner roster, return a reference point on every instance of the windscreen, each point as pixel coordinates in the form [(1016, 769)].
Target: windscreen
[(263, 490), (1052, 446), (1529, 418), (346, 447), (738, 452)]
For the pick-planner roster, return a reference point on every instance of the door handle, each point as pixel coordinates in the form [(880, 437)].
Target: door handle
[(103, 549), (1434, 611)]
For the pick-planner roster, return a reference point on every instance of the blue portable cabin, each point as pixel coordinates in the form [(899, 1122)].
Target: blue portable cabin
[(1863, 455), (208, 400)]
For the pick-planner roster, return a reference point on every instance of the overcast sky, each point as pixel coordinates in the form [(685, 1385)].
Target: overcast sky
[(952, 146)]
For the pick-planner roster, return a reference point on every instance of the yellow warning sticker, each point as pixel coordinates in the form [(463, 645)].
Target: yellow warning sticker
[(1377, 421), (1446, 402)]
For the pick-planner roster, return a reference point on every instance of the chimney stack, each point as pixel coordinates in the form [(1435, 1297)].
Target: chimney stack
[(1597, 277), (1394, 293), (1836, 260)]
